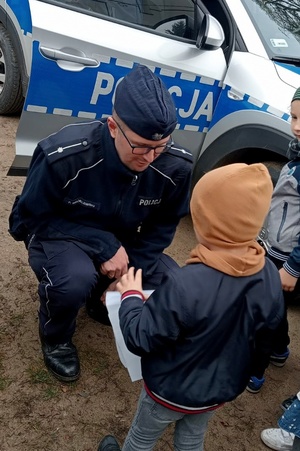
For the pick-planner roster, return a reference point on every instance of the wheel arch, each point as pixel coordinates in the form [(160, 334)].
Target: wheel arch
[(251, 143)]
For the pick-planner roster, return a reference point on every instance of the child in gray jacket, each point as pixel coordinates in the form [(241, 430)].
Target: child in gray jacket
[(283, 237)]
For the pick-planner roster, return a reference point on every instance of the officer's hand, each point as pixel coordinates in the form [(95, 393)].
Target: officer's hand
[(130, 281), (288, 282), (117, 265)]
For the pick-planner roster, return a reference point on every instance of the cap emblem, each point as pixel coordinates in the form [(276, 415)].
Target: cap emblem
[(157, 136)]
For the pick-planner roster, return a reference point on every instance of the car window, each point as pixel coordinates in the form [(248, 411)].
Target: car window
[(174, 18), (278, 26)]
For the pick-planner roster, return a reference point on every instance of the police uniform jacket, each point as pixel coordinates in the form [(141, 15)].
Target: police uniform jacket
[(78, 189), (195, 333)]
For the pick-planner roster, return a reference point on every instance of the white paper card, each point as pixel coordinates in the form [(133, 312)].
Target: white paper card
[(129, 360)]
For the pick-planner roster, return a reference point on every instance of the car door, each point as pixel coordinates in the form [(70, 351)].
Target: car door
[(82, 48)]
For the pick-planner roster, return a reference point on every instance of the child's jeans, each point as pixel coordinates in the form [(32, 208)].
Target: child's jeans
[(290, 420), (151, 419)]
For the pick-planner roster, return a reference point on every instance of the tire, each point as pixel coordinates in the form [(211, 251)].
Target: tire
[(11, 95), (274, 168)]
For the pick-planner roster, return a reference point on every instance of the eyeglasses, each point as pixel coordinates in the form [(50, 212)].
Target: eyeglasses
[(142, 150)]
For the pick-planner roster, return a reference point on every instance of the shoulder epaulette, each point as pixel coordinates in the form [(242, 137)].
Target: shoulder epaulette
[(180, 152), (70, 140)]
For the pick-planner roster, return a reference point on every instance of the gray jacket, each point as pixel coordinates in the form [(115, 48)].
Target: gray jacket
[(283, 221)]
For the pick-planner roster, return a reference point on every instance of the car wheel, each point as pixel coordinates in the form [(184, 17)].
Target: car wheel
[(11, 96), (274, 168)]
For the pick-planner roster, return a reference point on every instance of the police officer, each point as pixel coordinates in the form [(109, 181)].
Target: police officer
[(100, 197)]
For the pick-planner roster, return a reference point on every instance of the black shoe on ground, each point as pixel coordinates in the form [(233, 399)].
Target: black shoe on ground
[(287, 402), (279, 359), (97, 311), (109, 443), (61, 360)]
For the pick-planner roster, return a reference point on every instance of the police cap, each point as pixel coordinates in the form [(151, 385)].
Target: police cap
[(144, 104)]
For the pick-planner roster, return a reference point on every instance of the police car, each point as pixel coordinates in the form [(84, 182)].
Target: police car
[(232, 67)]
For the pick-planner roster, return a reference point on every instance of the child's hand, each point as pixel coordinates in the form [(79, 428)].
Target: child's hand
[(130, 281), (288, 282)]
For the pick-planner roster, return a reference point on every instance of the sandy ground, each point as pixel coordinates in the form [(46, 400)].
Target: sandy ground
[(39, 413)]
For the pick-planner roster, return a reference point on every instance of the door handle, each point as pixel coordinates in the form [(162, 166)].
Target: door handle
[(56, 54)]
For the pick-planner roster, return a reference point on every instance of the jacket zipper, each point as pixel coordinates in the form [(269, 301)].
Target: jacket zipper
[(283, 218), (134, 180)]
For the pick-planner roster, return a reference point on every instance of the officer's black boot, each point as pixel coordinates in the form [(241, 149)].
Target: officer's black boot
[(109, 443), (97, 311), (61, 360), (94, 306)]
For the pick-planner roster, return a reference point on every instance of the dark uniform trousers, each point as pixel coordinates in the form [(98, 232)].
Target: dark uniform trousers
[(281, 338), (278, 340), (68, 278)]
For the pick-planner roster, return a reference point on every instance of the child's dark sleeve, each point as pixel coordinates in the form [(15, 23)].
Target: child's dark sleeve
[(292, 265)]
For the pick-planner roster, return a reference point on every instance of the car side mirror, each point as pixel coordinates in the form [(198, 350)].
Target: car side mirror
[(211, 35)]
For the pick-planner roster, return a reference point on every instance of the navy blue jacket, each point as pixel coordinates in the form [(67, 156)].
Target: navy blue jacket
[(195, 334), (78, 189)]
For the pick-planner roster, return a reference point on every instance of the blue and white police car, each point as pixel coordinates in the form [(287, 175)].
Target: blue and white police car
[(232, 67)]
